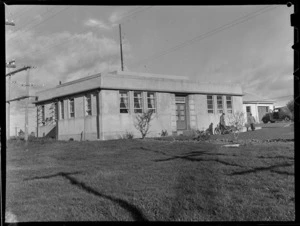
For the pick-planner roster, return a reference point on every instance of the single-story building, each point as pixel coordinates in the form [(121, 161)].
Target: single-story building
[(256, 105), (104, 106)]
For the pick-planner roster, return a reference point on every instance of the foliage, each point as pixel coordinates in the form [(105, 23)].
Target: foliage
[(164, 133), (202, 134), (290, 108), (142, 122), (236, 121), (127, 135)]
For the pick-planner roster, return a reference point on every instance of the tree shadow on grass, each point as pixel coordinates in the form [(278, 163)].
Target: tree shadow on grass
[(259, 169), (193, 157), (134, 211)]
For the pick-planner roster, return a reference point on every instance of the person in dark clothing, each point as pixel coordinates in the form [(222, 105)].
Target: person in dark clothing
[(251, 121), (222, 123)]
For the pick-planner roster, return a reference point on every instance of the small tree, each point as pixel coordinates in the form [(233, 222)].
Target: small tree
[(290, 108), (237, 121), (142, 122)]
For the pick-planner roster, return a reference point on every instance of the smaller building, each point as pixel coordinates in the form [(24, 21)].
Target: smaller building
[(256, 105)]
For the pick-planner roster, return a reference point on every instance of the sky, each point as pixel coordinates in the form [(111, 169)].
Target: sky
[(248, 45)]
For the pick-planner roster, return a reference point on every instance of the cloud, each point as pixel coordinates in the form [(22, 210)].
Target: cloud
[(58, 57), (116, 16), (98, 24)]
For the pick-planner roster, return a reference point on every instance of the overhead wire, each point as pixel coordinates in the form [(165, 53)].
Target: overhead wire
[(208, 34), (43, 21), (68, 39)]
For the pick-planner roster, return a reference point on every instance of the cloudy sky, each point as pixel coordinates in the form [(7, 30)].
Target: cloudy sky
[(249, 45)]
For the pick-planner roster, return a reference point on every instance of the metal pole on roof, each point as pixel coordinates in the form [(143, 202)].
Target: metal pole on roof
[(122, 65)]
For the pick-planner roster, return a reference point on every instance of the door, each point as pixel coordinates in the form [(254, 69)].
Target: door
[(262, 110), (181, 116)]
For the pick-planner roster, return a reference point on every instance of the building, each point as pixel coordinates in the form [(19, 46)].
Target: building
[(256, 105), (104, 106)]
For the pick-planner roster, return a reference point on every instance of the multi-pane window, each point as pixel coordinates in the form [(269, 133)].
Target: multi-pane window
[(229, 104), (124, 102), (62, 109), (151, 101), (210, 104), (248, 110), (71, 108), (88, 104), (138, 101), (220, 104)]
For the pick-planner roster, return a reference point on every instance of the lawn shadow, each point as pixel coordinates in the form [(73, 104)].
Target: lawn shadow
[(134, 211), (191, 157), (259, 169)]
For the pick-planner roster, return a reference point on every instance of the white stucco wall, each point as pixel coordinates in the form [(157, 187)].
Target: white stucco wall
[(254, 109)]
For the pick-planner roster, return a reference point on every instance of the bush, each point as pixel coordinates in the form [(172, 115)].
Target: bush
[(127, 135), (164, 133), (142, 122)]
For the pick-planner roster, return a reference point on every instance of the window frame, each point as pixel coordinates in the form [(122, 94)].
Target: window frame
[(88, 105), (124, 110), (220, 110), (141, 108), (212, 103), (229, 110), (61, 109), (149, 101), (71, 102)]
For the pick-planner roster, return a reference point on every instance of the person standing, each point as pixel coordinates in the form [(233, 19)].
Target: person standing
[(222, 123), (251, 121)]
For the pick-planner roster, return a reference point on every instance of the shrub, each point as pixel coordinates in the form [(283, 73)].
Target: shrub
[(236, 121), (127, 135), (164, 133), (142, 122)]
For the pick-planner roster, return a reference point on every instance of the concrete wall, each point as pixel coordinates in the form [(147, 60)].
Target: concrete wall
[(116, 124), (201, 115), (81, 127)]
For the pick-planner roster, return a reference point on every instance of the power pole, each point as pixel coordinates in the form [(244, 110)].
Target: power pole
[(9, 65), (11, 23), (122, 66), (27, 97), (27, 102)]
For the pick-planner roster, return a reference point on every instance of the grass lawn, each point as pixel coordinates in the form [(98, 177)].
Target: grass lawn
[(140, 180)]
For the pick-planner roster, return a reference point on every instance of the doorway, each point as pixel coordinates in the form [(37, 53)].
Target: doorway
[(181, 119)]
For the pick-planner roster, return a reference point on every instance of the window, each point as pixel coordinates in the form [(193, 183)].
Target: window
[(124, 103), (71, 108), (62, 110), (151, 101), (248, 109), (138, 102), (220, 104), (210, 104), (88, 104), (229, 104)]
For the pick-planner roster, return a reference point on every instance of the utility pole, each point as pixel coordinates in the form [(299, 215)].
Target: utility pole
[(27, 97), (9, 65), (11, 23), (122, 66), (27, 102)]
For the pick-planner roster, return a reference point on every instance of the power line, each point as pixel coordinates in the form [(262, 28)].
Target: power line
[(68, 39), (209, 33), (43, 21), (29, 24)]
